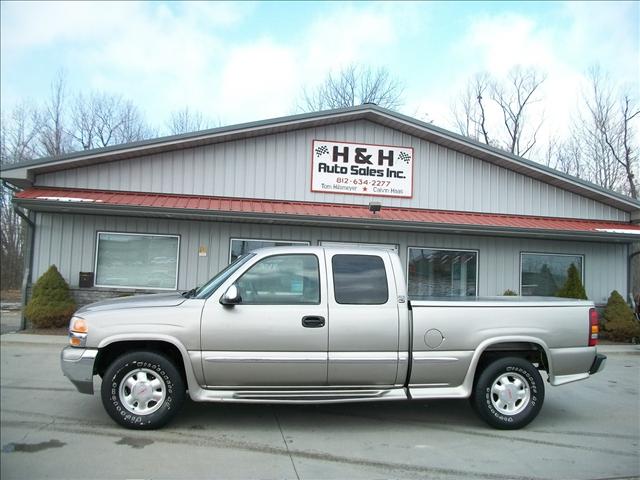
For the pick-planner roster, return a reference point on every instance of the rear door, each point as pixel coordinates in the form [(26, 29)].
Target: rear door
[(363, 308)]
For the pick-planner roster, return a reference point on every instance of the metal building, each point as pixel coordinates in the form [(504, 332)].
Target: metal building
[(467, 219)]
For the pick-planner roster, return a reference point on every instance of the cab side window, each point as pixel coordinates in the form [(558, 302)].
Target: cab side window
[(359, 280), (282, 280)]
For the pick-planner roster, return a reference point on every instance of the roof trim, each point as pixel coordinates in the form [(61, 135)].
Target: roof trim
[(294, 122), (60, 200)]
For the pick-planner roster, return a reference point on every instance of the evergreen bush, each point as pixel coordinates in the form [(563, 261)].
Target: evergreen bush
[(573, 287), (620, 324), (509, 293), (51, 304)]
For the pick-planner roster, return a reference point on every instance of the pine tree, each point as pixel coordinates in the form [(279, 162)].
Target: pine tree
[(51, 304), (573, 287), (546, 285), (619, 322)]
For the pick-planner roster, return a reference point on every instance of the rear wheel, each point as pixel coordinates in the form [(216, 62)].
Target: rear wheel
[(142, 390), (509, 393)]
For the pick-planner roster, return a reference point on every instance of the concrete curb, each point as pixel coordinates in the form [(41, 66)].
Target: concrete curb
[(29, 338), (623, 348)]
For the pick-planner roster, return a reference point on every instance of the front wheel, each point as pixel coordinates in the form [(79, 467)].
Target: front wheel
[(509, 393), (142, 390)]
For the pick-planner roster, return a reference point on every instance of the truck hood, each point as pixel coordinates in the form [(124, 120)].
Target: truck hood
[(172, 299)]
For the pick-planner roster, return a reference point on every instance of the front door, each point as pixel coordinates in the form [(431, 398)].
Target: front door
[(363, 338), (277, 335)]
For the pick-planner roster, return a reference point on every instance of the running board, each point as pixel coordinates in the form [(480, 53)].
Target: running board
[(299, 396)]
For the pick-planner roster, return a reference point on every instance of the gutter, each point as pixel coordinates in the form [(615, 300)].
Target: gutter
[(94, 208)]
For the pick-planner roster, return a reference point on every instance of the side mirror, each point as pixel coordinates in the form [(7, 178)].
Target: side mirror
[(231, 296)]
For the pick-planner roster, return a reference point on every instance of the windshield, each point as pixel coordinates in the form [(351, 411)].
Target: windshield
[(213, 284)]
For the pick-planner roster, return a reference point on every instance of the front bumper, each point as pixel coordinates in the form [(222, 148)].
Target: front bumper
[(598, 364), (77, 365)]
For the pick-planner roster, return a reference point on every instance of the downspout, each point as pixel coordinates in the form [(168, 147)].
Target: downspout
[(629, 273), (28, 254), (27, 261)]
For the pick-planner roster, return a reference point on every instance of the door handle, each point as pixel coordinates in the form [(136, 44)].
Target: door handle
[(312, 321)]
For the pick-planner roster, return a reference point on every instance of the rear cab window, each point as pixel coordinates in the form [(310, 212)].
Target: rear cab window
[(359, 280)]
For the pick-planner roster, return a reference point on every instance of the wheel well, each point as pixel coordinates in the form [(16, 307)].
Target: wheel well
[(112, 351), (531, 352)]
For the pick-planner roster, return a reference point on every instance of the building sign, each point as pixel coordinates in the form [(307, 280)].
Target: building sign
[(362, 169)]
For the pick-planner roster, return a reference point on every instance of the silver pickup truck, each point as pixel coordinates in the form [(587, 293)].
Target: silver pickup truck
[(320, 325)]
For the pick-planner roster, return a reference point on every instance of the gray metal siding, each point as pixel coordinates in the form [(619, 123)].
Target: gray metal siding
[(68, 241), (279, 167)]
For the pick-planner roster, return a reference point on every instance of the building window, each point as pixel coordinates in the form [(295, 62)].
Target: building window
[(442, 273), (282, 280), (359, 280), (543, 274), (240, 246), (135, 260)]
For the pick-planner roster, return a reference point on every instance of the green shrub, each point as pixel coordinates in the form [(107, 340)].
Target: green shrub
[(619, 323), (51, 304), (509, 293), (573, 287)]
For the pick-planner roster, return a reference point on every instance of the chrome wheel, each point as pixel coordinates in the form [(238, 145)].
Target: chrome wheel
[(142, 391), (510, 393)]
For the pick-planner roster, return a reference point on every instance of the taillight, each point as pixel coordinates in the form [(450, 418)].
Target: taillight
[(594, 327)]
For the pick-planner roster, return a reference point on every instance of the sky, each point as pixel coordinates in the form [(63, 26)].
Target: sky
[(240, 62)]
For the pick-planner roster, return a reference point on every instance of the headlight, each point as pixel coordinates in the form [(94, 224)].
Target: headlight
[(78, 325), (78, 330)]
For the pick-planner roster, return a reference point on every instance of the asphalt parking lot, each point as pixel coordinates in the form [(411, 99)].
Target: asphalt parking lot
[(586, 430)]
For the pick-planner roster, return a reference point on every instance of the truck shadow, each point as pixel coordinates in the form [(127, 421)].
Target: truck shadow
[(362, 416)]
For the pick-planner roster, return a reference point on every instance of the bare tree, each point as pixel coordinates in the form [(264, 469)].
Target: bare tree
[(100, 120), (11, 241), (515, 97), (604, 130), (354, 85), (501, 107), (564, 156), (621, 142), (19, 138), (187, 120), (53, 135), (469, 110), (19, 134)]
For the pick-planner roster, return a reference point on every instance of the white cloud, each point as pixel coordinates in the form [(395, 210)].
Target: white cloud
[(165, 56), (257, 80), (563, 50)]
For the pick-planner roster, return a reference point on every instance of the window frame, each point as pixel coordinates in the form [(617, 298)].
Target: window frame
[(339, 244), (317, 258), (468, 250), (165, 235), (524, 252), (292, 242), (386, 275)]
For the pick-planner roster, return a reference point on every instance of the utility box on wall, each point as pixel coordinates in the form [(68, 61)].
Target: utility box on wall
[(86, 280)]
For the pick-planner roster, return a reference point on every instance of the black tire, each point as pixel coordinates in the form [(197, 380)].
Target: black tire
[(161, 378), (520, 378)]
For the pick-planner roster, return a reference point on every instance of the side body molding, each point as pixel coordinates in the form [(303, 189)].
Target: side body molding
[(464, 390)]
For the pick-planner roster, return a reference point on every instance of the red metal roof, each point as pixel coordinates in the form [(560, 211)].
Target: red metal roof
[(326, 210)]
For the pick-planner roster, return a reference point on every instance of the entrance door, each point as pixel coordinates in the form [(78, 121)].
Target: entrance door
[(277, 335), (363, 304)]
